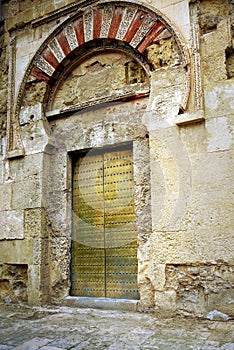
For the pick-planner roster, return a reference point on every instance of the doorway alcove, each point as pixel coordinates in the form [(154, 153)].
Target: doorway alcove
[(93, 89)]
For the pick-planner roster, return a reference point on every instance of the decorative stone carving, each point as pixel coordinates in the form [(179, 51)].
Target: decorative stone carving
[(56, 49), (128, 16), (106, 21), (71, 36), (197, 67), (143, 31), (14, 143), (88, 25), (44, 66)]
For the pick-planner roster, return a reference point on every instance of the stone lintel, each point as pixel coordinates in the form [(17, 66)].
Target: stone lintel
[(98, 101)]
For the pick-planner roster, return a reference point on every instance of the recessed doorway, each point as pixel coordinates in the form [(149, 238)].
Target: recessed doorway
[(104, 235)]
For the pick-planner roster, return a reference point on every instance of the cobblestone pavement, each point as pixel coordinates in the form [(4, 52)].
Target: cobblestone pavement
[(54, 328)]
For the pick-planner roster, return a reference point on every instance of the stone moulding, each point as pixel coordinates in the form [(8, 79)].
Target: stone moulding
[(128, 21), (14, 144), (97, 101)]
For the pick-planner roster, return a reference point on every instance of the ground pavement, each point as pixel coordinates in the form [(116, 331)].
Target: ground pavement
[(55, 328)]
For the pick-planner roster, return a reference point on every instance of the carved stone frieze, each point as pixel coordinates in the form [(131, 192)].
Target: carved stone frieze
[(197, 67), (56, 49), (71, 36), (14, 142), (106, 21), (44, 66), (88, 25), (128, 16), (143, 31)]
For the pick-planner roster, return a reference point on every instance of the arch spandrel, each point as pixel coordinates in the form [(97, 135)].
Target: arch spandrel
[(134, 25)]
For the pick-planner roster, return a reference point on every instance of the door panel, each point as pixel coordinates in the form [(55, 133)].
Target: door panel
[(104, 247), (88, 255)]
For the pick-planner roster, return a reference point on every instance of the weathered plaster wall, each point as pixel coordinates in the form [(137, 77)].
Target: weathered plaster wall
[(183, 172)]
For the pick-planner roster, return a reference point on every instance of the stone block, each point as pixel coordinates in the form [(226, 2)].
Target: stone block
[(215, 244), (212, 12), (101, 303), (31, 114), (190, 118), (193, 139), (28, 168), (165, 303), (210, 171), (5, 196), (18, 251), (220, 134), (40, 251), (34, 137), (26, 194), (218, 99), (166, 77), (146, 291), (178, 12), (59, 173), (37, 284), (216, 40), (170, 178), (222, 301), (21, 66), (213, 68), (11, 224), (207, 211), (159, 277), (35, 223), (176, 247)]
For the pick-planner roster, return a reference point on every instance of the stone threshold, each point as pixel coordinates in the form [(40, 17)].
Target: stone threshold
[(101, 303)]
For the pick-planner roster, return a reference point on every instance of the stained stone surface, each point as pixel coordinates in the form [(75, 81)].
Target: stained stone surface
[(54, 328)]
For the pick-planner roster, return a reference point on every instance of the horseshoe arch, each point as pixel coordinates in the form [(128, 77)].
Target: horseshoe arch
[(134, 25)]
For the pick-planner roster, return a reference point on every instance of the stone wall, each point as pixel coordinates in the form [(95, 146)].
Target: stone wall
[(173, 101), (200, 288)]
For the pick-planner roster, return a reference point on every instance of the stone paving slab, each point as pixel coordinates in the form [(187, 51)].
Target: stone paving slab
[(33, 344), (56, 328)]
